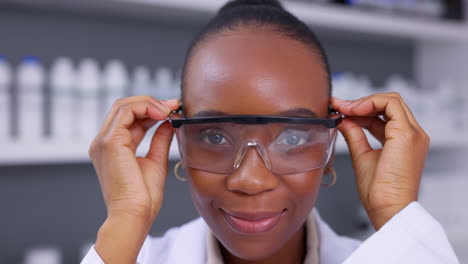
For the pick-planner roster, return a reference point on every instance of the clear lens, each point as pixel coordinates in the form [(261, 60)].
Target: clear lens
[(210, 147), (287, 148), (298, 149)]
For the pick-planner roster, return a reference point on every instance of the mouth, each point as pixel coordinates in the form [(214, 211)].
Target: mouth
[(252, 223)]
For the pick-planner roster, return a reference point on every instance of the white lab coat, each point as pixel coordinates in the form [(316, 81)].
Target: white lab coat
[(411, 236)]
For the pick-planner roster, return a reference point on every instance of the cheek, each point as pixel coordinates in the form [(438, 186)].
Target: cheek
[(304, 189), (297, 192), (205, 188)]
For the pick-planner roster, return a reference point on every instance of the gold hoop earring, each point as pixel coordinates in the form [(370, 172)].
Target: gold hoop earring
[(333, 181), (176, 171)]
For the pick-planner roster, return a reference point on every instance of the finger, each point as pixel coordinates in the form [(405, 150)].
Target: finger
[(125, 101), (155, 164), (374, 125), (120, 130), (355, 138), (375, 105), (172, 103), (130, 113), (408, 111), (140, 128), (337, 103), (160, 143)]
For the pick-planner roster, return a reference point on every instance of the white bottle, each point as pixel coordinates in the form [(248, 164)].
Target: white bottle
[(115, 82), (432, 8), (63, 109), (88, 83), (344, 85), (40, 255), (450, 106), (177, 85), (464, 119), (30, 80), (141, 81), (164, 84), (5, 111)]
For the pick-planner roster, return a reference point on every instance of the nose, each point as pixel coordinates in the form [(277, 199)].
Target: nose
[(252, 176)]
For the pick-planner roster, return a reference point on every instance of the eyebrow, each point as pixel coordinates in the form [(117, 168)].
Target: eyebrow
[(295, 112)]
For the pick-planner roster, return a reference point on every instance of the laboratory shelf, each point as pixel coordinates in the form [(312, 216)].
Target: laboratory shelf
[(329, 16), (355, 20), (337, 19), (56, 152), (440, 140), (50, 152)]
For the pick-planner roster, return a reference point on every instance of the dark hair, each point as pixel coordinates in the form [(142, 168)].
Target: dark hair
[(269, 14)]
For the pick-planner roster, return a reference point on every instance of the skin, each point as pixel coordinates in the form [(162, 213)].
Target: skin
[(245, 72), (229, 74)]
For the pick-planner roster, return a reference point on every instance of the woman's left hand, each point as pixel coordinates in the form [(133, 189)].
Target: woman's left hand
[(388, 178)]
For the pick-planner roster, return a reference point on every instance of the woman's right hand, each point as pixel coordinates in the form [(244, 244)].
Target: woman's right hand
[(132, 186)]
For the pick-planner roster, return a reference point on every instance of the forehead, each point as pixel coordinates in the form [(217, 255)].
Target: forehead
[(254, 72)]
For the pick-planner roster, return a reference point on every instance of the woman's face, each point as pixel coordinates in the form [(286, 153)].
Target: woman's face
[(248, 72)]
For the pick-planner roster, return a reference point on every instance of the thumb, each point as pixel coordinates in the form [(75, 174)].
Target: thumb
[(160, 144), (154, 165), (355, 138), (359, 146)]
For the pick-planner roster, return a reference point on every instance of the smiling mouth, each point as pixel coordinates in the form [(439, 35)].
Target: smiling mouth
[(252, 223)]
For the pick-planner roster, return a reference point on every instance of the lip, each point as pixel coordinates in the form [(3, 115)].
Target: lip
[(252, 223)]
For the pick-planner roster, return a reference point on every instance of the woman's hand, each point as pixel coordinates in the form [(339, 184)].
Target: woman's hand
[(132, 186), (388, 178)]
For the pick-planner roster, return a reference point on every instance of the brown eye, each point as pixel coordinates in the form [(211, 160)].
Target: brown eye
[(215, 139), (293, 137)]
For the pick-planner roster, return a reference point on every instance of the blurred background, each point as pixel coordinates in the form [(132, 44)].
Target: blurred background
[(63, 63)]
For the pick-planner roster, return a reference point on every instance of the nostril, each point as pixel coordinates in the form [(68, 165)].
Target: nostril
[(251, 184)]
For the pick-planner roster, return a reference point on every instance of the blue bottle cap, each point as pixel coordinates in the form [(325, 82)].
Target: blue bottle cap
[(336, 75), (30, 59)]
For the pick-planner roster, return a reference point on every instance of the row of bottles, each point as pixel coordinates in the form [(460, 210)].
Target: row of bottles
[(51, 254), (69, 101), (439, 111)]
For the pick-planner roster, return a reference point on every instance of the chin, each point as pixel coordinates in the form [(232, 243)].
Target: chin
[(253, 249)]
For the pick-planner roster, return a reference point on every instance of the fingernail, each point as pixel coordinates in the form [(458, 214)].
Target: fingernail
[(338, 99), (346, 103), (172, 101), (165, 108), (342, 103)]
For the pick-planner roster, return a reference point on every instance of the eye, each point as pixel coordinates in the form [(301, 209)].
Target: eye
[(213, 137), (293, 137)]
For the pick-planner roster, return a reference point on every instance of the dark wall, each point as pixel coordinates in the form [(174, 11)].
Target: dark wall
[(61, 205)]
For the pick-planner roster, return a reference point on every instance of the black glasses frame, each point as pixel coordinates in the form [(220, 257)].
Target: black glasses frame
[(256, 119)]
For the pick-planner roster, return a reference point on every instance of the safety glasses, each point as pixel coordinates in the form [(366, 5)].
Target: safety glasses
[(286, 145)]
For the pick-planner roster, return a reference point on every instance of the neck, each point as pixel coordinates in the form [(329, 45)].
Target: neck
[(293, 251)]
